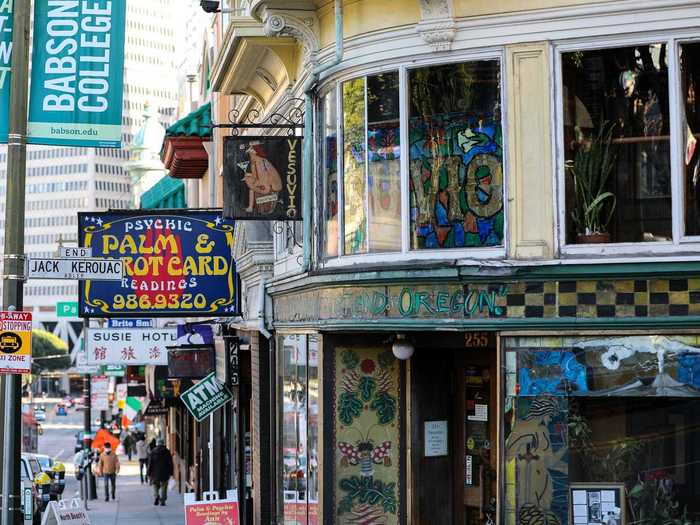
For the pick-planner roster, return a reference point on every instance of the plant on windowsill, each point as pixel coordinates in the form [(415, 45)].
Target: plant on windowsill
[(591, 169)]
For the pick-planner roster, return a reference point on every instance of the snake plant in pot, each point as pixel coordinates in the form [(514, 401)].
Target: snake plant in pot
[(591, 169)]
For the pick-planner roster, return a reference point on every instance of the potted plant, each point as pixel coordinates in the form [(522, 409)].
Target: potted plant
[(591, 169)]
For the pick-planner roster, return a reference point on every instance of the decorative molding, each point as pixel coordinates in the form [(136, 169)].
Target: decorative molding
[(437, 26), (304, 28)]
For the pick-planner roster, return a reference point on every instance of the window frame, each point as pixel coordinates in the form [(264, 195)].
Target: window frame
[(406, 253), (680, 242)]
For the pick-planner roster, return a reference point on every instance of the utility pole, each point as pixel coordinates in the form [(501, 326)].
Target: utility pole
[(13, 287)]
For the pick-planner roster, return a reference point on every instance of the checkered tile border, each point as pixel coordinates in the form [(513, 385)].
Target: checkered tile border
[(606, 299)]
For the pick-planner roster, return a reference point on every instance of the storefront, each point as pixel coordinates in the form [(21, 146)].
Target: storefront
[(524, 402)]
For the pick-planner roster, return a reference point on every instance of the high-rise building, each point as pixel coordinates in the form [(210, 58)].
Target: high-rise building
[(62, 181)]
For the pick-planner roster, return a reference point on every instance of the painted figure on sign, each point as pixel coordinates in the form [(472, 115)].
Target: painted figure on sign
[(263, 181)]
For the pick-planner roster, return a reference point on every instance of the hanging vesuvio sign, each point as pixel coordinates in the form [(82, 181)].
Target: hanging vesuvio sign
[(262, 178), (77, 73), (176, 264)]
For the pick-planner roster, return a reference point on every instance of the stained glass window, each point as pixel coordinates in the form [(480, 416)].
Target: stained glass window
[(456, 156)]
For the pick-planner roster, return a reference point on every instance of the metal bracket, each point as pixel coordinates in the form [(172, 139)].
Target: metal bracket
[(23, 261), (289, 116)]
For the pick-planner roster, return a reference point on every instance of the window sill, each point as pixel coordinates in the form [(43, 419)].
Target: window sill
[(423, 256)]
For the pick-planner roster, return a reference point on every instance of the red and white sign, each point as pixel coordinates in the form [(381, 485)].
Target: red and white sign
[(217, 512), (15, 342), (99, 392)]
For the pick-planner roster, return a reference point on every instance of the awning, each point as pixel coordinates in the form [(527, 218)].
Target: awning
[(183, 150), (167, 193)]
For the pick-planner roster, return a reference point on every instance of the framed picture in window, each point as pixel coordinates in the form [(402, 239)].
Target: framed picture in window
[(597, 504)]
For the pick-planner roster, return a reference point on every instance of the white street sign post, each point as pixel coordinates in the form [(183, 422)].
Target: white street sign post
[(93, 269)]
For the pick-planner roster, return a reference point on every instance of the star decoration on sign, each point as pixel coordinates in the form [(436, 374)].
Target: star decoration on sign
[(218, 221), (99, 221)]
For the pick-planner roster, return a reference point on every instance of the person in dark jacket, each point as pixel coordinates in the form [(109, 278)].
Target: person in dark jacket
[(160, 469)]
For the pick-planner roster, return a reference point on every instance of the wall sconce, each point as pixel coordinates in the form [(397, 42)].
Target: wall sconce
[(402, 348)]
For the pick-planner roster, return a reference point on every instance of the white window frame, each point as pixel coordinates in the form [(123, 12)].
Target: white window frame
[(406, 253), (680, 242)]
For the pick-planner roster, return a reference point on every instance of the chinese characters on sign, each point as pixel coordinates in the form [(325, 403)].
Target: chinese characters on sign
[(175, 264), (138, 346), (262, 178), (15, 342)]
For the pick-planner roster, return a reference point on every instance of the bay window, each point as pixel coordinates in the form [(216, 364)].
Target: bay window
[(628, 119), (412, 161)]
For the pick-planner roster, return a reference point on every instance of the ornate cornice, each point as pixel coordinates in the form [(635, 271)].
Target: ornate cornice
[(302, 27), (437, 26)]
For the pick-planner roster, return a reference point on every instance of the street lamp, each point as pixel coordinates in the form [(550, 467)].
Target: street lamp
[(402, 348)]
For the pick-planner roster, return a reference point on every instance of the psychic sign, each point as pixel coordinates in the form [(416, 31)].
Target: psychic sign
[(262, 178), (176, 264)]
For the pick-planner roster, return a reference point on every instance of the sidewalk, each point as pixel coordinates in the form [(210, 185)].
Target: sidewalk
[(134, 503)]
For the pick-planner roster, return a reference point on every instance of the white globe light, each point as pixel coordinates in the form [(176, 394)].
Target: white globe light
[(402, 349)]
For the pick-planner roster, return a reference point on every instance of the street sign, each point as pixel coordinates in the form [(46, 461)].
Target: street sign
[(16, 342), (138, 346), (74, 253), (67, 309), (130, 323), (93, 269), (113, 370), (205, 397)]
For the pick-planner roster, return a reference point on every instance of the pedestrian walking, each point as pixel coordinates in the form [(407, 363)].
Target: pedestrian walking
[(160, 469), (142, 456), (128, 445), (108, 467)]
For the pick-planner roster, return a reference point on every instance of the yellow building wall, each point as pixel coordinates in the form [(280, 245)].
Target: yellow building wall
[(365, 16), (467, 8), (530, 175)]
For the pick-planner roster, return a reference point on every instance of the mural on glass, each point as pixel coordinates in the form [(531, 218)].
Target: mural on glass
[(329, 157), (602, 410), (372, 171), (354, 176), (456, 156), (366, 438)]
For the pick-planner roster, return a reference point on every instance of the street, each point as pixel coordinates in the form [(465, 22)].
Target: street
[(134, 502)]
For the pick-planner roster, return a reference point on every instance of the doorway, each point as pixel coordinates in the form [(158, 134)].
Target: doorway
[(454, 428)]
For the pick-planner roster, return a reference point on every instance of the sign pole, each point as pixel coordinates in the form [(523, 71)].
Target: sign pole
[(211, 455), (13, 286)]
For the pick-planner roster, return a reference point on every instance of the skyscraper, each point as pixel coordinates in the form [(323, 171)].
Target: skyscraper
[(62, 181)]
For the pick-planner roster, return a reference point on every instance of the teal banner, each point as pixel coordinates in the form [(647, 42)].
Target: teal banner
[(77, 73), (5, 64)]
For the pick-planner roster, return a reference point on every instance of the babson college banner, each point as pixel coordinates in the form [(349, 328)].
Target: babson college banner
[(262, 178), (176, 264), (77, 73)]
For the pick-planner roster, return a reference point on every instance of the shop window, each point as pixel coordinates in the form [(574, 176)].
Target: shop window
[(430, 180), (456, 156), (617, 144), (298, 433), (602, 430), (690, 98)]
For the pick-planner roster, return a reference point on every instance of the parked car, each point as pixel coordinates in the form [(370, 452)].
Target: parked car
[(30, 468), (60, 409), (46, 462), (40, 415)]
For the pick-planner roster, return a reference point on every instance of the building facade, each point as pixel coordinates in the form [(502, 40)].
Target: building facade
[(64, 181), (489, 311)]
